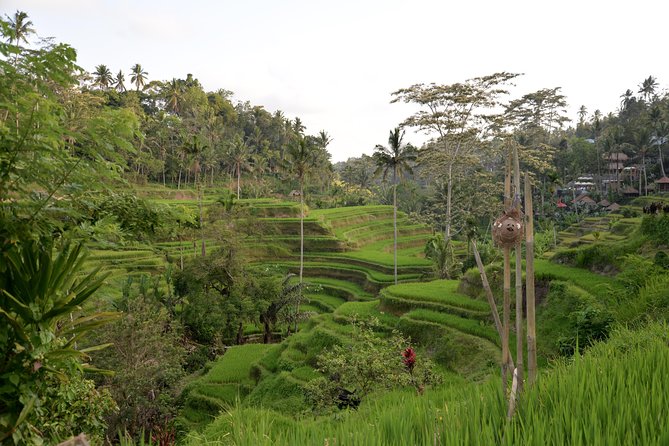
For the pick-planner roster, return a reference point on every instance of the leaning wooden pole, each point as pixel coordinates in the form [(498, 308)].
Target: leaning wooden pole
[(529, 284), (506, 354), (489, 295), (519, 277)]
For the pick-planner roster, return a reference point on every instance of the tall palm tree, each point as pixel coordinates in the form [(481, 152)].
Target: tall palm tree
[(103, 77), (20, 28), (119, 82), (642, 140), (238, 154), (302, 159), (323, 140), (173, 92), (582, 113), (627, 98), (395, 158), (647, 88), (660, 137), (138, 76)]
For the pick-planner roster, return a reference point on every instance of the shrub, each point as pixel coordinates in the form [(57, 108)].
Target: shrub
[(661, 259), (656, 228), (369, 363), (43, 290), (571, 317)]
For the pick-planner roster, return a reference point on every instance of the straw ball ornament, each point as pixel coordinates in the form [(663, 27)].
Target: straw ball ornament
[(507, 231)]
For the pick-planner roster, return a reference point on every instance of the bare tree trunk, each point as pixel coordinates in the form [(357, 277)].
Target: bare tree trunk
[(506, 354), (529, 284), (519, 282), (506, 317), (199, 199), (240, 333), (297, 311), (449, 198), (301, 230), (395, 220), (238, 178), (659, 148)]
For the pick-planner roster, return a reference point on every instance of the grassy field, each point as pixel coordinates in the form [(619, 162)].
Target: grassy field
[(627, 403), (227, 381), (349, 256)]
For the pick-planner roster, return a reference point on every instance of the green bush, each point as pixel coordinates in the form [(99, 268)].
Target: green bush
[(570, 317), (656, 228), (661, 259)]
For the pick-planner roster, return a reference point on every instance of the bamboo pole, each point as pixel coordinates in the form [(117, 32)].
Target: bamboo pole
[(489, 295), (529, 284), (506, 354), (515, 390), (519, 277)]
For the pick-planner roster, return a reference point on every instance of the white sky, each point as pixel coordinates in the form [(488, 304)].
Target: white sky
[(334, 63)]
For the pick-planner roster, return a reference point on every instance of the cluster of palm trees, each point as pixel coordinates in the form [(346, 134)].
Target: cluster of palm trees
[(103, 78)]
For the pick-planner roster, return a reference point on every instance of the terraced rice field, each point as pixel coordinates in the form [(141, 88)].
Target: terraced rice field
[(227, 381)]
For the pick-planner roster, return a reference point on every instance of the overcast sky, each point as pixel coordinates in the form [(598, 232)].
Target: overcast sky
[(334, 63)]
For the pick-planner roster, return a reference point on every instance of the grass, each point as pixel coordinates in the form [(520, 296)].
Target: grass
[(365, 310), (228, 380), (469, 326), (438, 291), (568, 406), (595, 284)]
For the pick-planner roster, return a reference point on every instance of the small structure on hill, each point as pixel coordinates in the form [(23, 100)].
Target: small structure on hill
[(584, 199), (630, 191), (604, 203), (662, 185), (294, 193), (614, 207)]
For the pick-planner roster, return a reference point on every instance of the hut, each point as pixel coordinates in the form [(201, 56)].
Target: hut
[(662, 185), (584, 200), (604, 203), (615, 207), (630, 191)]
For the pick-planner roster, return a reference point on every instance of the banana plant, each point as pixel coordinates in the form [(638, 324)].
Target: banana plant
[(43, 289)]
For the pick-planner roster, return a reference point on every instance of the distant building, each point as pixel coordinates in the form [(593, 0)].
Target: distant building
[(630, 191), (662, 185)]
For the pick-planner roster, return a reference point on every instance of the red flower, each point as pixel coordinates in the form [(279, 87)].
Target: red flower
[(409, 360)]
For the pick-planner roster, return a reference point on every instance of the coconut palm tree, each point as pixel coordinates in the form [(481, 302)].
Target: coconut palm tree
[(138, 76), (582, 113), (103, 77), (642, 141), (660, 137), (323, 140), (19, 28), (395, 158), (238, 155), (627, 98), (302, 157), (647, 88), (173, 92), (119, 82)]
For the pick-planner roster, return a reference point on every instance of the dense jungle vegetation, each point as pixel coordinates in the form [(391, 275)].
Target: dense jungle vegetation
[(180, 267)]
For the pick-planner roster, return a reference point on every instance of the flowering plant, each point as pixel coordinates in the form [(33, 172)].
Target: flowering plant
[(409, 360)]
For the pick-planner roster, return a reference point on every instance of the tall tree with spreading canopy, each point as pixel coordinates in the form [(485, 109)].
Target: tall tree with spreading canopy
[(397, 159), (457, 116)]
